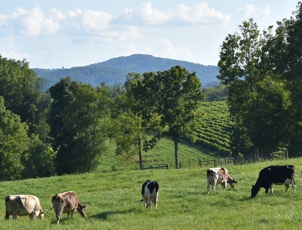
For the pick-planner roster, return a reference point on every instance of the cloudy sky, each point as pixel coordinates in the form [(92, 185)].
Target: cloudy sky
[(69, 33)]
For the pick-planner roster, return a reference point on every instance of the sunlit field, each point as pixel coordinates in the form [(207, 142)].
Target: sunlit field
[(113, 201)]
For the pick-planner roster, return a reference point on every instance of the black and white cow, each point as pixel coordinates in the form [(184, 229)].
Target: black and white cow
[(150, 193), (278, 175)]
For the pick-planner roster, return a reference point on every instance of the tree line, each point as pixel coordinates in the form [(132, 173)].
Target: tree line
[(66, 129), (262, 73)]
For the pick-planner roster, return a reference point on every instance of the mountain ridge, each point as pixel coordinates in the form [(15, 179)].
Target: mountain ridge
[(115, 70)]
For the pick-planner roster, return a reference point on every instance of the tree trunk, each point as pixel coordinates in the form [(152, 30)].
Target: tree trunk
[(176, 152), (140, 153)]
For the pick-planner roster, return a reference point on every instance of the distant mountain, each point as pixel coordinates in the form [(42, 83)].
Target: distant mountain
[(115, 70)]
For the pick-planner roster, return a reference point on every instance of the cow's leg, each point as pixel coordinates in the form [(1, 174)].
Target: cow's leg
[(72, 213), (271, 189), (286, 187), (58, 217), (223, 185), (145, 202), (155, 203), (7, 216), (208, 186), (214, 185), (15, 215), (294, 185), (32, 216)]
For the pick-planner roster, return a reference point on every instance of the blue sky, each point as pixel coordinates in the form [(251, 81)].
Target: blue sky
[(69, 33)]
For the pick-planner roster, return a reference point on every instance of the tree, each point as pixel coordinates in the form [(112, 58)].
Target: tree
[(257, 96), (292, 67), (78, 126), (19, 87), (174, 97), (13, 142)]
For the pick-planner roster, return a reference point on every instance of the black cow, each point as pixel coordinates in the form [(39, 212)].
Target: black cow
[(278, 175)]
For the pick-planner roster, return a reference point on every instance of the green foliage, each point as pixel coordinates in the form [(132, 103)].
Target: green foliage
[(174, 97), (78, 125), (13, 142), (113, 201), (18, 86), (38, 160), (215, 93), (256, 93)]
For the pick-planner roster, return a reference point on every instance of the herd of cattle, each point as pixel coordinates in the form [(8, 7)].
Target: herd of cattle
[(23, 205), (68, 202)]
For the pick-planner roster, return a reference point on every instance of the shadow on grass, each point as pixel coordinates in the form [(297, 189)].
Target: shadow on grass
[(105, 215)]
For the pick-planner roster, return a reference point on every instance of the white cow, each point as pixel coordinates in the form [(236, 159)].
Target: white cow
[(23, 205), (219, 176), (150, 193)]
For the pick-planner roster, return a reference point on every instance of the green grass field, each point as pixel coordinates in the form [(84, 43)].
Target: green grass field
[(113, 200)]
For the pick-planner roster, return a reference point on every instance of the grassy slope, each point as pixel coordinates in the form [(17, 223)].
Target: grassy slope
[(163, 153), (113, 201), (213, 142)]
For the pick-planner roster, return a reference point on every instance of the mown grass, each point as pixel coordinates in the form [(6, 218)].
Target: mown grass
[(113, 201)]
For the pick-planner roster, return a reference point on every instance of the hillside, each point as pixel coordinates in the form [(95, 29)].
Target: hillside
[(114, 71)]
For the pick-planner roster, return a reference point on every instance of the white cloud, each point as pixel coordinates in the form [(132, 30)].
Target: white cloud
[(34, 23), (152, 16), (167, 49), (95, 20), (85, 22), (9, 49), (266, 11), (251, 10), (200, 14)]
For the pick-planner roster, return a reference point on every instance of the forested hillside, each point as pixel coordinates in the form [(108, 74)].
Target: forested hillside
[(114, 71)]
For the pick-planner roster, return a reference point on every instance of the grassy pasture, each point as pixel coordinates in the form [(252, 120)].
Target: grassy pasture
[(113, 201)]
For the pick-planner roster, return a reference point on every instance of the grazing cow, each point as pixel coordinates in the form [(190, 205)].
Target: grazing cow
[(219, 176), (278, 175), (23, 205), (67, 202), (150, 193)]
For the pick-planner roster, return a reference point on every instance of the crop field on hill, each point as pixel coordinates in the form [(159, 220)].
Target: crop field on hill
[(113, 200), (213, 141)]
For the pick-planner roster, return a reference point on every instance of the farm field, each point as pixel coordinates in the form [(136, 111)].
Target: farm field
[(113, 200)]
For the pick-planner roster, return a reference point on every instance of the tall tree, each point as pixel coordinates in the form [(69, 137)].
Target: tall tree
[(257, 96), (78, 126), (13, 142), (174, 97), (19, 87), (293, 64)]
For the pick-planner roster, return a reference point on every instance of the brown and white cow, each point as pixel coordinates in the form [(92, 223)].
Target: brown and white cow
[(150, 193), (221, 176), (67, 202), (23, 205)]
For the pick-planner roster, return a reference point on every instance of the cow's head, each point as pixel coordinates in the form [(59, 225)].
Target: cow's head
[(232, 182), (82, 209), (254, 191), (41, 214)]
